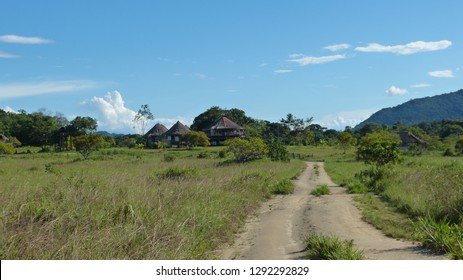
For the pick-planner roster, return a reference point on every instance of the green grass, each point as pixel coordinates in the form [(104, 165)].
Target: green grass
[(385, 218), (321, 190), (128, 204), (320, 247)]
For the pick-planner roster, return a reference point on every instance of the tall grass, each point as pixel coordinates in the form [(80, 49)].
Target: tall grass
[(320, 247), (128, 205)]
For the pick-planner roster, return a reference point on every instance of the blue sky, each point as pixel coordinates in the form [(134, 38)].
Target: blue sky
[(338, 61)]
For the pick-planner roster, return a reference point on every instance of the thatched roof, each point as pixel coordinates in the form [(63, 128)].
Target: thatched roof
[(3, 138), (157, 130), (178, 129), (224, 123)]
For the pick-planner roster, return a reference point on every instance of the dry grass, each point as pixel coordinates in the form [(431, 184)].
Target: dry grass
[(127, 205)]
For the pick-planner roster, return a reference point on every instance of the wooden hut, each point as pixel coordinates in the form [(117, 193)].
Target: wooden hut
[(175, 133), (156, 135), (224, 129)]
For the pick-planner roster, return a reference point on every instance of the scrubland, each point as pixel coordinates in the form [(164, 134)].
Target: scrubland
[(129, 204)]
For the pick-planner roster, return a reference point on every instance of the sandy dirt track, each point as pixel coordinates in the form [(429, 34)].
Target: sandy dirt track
[(281, 225)]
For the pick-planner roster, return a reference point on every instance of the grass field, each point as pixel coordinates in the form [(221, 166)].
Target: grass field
[(129, 204)]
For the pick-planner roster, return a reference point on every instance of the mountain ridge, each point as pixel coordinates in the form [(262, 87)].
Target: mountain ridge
[(447, 106)]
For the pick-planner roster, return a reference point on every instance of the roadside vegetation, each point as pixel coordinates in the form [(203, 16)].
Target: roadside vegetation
[(321, 247), (130, 204), (68, 192)]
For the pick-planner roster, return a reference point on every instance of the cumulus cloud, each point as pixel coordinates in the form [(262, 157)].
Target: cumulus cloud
[(111, 111), (7, 55), (348, 118), (113, 115), (8, 109), (441, 74), (410, 48), (393, 91), (306, 60), (338, 47), (39, 88), (15, 39), (282, 71)]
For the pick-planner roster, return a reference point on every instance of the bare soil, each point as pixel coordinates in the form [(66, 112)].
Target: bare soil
[(281, 225)]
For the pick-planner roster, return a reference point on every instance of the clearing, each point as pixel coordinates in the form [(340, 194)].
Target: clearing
[(281, 225)]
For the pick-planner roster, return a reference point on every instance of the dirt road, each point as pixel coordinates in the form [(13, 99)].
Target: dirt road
[(282, 224)]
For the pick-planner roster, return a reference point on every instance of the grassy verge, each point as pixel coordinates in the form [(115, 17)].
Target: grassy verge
[(129, 204)]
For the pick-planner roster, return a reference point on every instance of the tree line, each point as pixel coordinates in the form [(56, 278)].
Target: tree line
[(46, 130)]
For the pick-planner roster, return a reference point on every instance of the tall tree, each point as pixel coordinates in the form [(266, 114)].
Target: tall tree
[(143, 118)]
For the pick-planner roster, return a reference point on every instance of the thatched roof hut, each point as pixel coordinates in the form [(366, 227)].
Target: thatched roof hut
[(157, 131), (175, 133), (222, 130)]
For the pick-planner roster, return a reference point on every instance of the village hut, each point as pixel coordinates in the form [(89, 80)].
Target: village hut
[(4, 139), (175, 133), (156, 135), (407, 138), (222, 130)]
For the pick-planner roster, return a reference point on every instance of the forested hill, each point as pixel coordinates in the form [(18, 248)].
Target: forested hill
[(447, 106)]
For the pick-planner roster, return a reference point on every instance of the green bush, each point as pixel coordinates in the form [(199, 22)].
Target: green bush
[(176, 172), (246, 149), (321, 247), (321, 190), (282, 187), (6, 148), (277, 151), (357, 187)]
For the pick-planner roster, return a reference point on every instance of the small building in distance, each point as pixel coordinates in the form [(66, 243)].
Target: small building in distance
[(173, 136), (222, 130), (156, 135), (409, 138)]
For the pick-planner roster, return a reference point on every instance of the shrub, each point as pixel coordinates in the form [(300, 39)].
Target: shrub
[(321, 247), (176, 172), (246, 149), (277, 151), (222, 153), (356, 187), (6, 148), (282, 187), (379, 148), (169, 158), (321, 190), (86, 144), (196, 138)]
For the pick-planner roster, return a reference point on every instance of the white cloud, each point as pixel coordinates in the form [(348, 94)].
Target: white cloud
[(348, 118), (200, 76), (393, 91), (306, 60), (295, 55), (282, 71), (7, 55), (15, 39), (441, 74), (8, 109), (337, 47), (113, 115), (39, 88), (422, 85), (410, 48), (111, 111)]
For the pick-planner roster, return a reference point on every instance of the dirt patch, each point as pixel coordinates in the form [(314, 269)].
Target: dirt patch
[(280, 227)]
